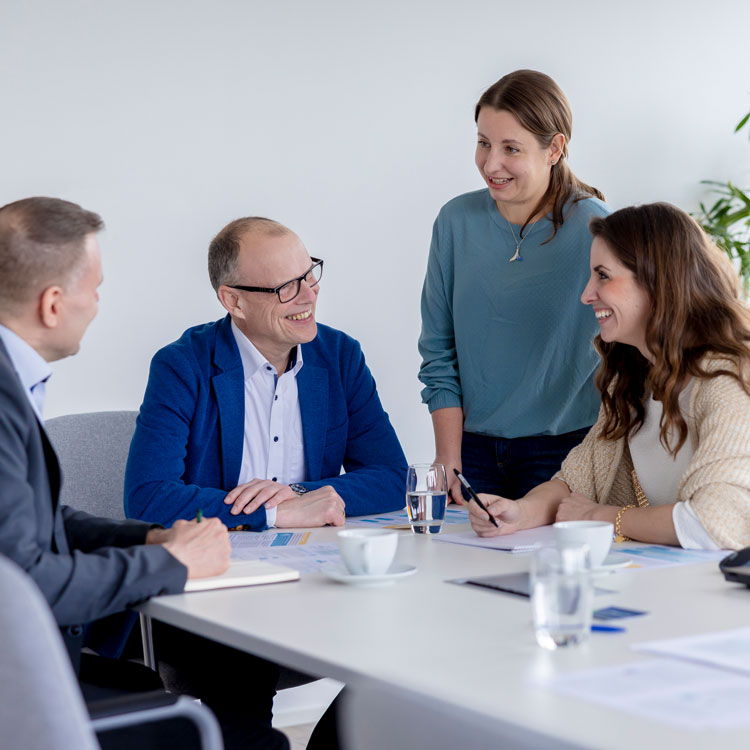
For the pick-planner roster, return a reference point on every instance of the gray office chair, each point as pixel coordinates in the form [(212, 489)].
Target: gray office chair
[(375, 716), (41, 707), (93, 450)]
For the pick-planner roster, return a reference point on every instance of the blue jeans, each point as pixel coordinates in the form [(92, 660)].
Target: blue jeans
[(512, 466)]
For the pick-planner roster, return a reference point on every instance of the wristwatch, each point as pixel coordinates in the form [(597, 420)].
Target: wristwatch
[(298, 489)]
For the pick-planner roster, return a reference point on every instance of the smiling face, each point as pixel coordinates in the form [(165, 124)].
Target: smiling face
[(514, 166), (275, 328), (621, 305)]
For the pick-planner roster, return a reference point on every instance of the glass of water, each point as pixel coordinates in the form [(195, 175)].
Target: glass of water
[(426, 497), (562, 595)]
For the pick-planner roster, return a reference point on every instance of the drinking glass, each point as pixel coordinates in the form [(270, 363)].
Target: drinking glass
[(426, 497), (562, 595)]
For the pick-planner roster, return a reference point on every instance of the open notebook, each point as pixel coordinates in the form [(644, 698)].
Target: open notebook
[(244, 573)]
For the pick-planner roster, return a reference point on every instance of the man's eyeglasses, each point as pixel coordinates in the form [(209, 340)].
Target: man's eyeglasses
[(287, 291)]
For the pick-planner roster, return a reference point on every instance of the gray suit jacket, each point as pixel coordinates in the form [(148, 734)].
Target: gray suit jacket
[(86, 567)]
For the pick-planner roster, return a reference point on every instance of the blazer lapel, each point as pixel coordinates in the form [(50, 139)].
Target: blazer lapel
[(229, 388), (54, 476), (312, 387), (53, 466)]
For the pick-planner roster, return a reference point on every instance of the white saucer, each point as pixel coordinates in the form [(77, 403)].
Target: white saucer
[(612, 562), (340, 574)]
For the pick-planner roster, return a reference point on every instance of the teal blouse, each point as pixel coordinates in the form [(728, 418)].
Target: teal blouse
[(511, 343)]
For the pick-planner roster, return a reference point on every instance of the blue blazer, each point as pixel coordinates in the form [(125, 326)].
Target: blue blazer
[(187, 447)]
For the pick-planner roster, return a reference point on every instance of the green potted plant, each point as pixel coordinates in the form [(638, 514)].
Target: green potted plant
[(727, 221)]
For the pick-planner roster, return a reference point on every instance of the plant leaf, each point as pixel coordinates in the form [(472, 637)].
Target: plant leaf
[(742, 122)]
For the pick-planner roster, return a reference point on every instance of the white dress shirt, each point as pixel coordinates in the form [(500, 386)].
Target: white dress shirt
[(272, 447), (660, 473), (33, 370)]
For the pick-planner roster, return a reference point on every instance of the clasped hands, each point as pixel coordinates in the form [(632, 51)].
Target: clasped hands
[(514, 515), (321, 507)]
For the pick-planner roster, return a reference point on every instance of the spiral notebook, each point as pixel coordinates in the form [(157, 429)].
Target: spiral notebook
[(244, 573)]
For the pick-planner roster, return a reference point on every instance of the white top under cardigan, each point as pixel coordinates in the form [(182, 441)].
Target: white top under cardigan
[(659, 472)]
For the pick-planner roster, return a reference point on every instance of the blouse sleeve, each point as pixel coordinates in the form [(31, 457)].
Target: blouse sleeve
[(691, 534), (437, 342)]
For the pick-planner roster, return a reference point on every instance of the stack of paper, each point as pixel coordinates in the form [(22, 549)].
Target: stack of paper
[(726, 649), (521, 541)]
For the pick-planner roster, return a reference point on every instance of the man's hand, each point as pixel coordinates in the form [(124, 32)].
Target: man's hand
[(321, 507), (577, 507), (203, 548), (248, 497), (506, 512)]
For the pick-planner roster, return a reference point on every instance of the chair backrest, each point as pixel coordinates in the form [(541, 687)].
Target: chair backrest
[(93, 450), (41, 707)]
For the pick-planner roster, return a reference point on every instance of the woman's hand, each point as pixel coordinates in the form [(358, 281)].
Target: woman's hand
[(454, 486), (506, 512), (577, 507)]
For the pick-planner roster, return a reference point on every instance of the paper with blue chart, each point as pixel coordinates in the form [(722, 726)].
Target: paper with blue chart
[(453, 516), (292, 549), (295, 550)]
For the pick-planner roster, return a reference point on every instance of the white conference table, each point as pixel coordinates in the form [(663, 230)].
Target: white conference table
[(465, 648)]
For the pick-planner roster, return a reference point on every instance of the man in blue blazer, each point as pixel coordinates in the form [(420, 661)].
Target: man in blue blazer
[(251, 418)]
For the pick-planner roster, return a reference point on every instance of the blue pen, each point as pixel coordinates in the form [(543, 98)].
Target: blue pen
[(606, 629)]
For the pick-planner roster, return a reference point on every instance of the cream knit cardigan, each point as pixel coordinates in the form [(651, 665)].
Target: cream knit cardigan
[(717, 479)]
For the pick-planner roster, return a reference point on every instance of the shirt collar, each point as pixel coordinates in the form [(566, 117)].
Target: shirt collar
[(253, 360), (31, 367)]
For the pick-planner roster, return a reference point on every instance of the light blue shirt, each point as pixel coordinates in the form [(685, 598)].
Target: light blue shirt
[(33, 370), (510, 343)]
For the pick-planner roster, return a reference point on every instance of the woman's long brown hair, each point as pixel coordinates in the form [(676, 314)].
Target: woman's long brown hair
[(541, 107), (696, 311)]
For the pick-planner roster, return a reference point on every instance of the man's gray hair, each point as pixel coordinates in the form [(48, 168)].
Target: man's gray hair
[(225, 247), (41, 243)]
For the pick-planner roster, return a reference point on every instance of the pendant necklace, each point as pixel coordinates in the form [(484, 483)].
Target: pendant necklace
[(519, 242)]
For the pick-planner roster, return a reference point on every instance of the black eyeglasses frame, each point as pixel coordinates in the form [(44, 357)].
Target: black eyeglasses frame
[(277, 290)]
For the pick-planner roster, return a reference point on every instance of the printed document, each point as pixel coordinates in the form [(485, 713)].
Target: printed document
[(690, 696)]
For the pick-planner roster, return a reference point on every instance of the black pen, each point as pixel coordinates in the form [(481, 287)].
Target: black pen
[(474, 496)]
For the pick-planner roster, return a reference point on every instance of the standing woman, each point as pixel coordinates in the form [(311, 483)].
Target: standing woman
[(507, 356)]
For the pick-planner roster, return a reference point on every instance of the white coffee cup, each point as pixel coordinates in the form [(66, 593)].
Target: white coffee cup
[(596, 535), (367, 551)]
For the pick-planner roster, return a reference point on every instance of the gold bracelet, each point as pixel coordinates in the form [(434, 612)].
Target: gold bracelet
[(619, 537)]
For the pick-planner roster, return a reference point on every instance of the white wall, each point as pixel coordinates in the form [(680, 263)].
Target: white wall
[(350, 122)]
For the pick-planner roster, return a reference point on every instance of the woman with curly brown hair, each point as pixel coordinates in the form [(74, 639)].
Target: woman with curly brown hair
[(668, 460)]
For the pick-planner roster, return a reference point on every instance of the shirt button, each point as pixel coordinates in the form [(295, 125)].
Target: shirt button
[(275, 398), (276, 439), (268, 367), (273, 479)]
